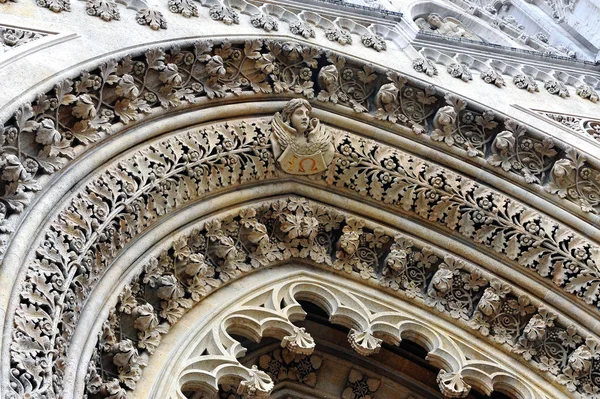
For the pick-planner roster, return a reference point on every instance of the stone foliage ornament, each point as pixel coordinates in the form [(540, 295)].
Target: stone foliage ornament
[(301, 144), (152, 18), (225, 14), (452, 385), (374, 41), (425, 66), (282, 365), (302, 28), (491, 76), (104, 9), (460, 71), (55, 5), (12, 37), (187, 8), (587, 92), (264, 21), (557, 88), (525, 82), (360, 386), (342, 36)]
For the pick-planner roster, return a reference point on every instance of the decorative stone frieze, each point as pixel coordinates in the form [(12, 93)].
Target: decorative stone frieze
[(133, 94), (425, 66), (11, 38), (264, 21), (55, 5), (557, 88)]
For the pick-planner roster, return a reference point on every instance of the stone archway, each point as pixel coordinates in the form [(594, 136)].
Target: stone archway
[(382, 138)]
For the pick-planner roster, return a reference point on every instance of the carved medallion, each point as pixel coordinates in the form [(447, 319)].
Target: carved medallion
[(301, 144)]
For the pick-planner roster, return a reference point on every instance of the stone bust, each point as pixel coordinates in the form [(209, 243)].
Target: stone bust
[(448, 26), (301, 145)]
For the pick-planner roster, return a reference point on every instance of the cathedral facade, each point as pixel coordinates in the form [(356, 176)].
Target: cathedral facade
[(369, 199)]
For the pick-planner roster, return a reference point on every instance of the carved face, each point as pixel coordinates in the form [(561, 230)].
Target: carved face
[(300, 119), (434, 20)]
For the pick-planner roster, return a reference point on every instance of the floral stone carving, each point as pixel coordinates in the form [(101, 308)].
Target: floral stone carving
[(300, 342), (12, 37), (452, 384), (257, 385), (460, 71), (359, 386), (526, 83), (491, 76), (425, 66), (282, 365), (301, 144), (587, 92), (557, 88)]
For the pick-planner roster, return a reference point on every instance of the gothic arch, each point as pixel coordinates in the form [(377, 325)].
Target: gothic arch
[(76, 197)]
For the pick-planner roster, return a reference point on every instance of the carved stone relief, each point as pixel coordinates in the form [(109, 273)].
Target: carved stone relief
[(11, 37), (301, 145), (72, 258), (448, 26), (282, 365)]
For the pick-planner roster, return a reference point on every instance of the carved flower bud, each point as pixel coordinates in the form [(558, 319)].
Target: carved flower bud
[(505, 140), (46, 133), (452, 384), (170, 75), (489, 303), (444, 117), (535, 329)]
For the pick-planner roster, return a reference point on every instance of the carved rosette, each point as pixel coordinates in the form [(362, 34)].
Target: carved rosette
[(374, 41), (187, 8), (225, 14)]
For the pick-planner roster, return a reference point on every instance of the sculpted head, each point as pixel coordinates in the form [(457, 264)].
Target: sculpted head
[(435, 20), (296, 113)]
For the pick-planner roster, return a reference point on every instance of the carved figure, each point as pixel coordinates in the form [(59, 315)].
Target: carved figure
[(301, 144), (448, 26)]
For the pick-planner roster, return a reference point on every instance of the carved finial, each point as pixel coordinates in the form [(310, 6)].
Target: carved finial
[(258, 384), (452, 384), (364, 343), (301, 144), (299, 342)]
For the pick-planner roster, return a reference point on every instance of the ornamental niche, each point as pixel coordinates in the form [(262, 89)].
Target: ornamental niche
[(301, 144)]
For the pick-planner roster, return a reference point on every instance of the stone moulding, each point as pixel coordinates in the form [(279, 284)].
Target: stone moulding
[(43, 137), (83, 240)]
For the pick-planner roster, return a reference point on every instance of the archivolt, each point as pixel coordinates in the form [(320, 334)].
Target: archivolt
[(90, 228)]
